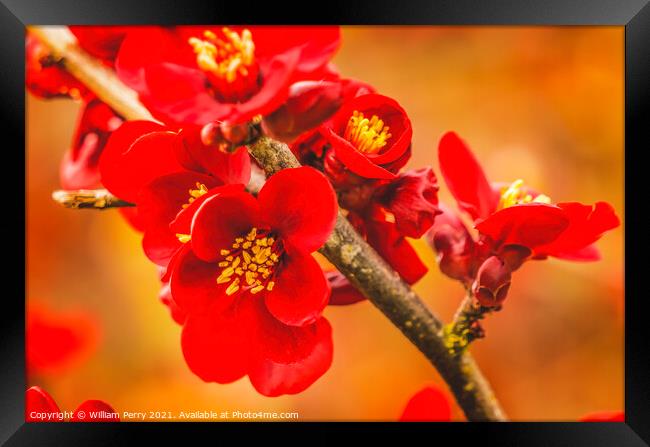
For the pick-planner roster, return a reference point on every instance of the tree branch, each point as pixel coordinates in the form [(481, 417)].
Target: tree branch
[(378, 282), (99, 199), (345, 248)]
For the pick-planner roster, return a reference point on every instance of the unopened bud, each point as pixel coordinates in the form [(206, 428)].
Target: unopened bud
[(492, 282)]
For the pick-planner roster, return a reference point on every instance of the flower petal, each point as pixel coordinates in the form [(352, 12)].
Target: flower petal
[(465, 178), (317, 44), (194, 285), (39, 401), (395, 249), (429, 404), (232, 167), (163, 198), (219, 220), (159, 201), (413, 200), (300, 293), (354, 160), (217, 345), (587, 223), (530, 225), (289, 359), (300, 205), (127, 164)]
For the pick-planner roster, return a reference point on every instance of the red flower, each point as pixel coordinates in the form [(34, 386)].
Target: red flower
[(40, 407), (412, 199), (252, 292), (221, 73), (371, 136), (56, 341), (430, 404), (516, 215), (164, 172), (310, 104), (80, 164), (604, 416), (382, 206)]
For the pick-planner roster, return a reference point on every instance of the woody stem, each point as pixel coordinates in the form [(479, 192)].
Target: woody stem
[(345, 248)]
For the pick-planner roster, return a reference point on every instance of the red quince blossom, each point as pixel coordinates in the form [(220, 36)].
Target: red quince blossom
[(251, 291), (164, 171), (56, 341), (430, 404), (604, 416), (371, 136), (221, 73), (385, 207), (513, 222), (40, 407)]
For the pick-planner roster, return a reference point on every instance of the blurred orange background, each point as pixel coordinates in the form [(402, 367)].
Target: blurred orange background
[(544, 104)]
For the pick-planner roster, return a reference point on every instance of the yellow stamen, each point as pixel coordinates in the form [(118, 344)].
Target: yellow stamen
[(196, 193), (367, 135), (515, 194), (184, 238), (250, 258), (225, 59)]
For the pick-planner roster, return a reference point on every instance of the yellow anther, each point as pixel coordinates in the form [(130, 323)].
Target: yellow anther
[(233, 287), (254, 262), (195, 193), (184, 238), (225, 59), (515, 194), (257, 289), (247, 257), (367, 135)]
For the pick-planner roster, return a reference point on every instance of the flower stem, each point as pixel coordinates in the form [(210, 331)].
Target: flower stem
[(346, 249), (465, 327)]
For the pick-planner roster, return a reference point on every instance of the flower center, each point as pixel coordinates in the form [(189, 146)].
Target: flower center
[(250, 263), (367, 135), (229, 63), (516, 195)]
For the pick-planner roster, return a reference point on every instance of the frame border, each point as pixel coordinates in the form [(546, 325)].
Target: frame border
[(634, 15)]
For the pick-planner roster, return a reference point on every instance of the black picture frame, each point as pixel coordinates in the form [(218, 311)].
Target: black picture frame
[(634, 15)]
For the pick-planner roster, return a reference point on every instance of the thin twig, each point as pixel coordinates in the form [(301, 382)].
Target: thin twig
[(98, 199), (345, 248)]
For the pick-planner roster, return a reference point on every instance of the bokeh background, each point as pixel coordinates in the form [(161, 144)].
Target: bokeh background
[(544, 104)]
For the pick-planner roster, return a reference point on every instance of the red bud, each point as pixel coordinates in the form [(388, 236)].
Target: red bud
[(492, 282)]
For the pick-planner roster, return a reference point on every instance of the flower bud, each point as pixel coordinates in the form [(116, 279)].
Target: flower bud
[(492, 282), (413, 199)]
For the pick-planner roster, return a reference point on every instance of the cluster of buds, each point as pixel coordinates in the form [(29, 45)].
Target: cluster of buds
[(229, 137)]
